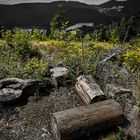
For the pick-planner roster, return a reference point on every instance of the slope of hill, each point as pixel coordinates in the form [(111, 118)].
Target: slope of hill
[(120, 8), (40, 14)]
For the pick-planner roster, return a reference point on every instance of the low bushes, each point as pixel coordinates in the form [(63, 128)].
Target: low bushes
[(132, 55)]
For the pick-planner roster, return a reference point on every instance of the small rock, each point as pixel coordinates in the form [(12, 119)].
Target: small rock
[(44, 129), (44, 135), (31, 86), (15, 86), (58, 76), (113, 91), (10, 81), (12, 88), (59, 71), (128, 103), (8, 94), (133, 117)]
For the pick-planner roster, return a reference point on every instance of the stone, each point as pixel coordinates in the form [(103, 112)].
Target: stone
[(10, 81), (8, 94), (134, 128), (128, 102), (112, 91), (58, 75), (31, 86), (13, 88), (59, 71)]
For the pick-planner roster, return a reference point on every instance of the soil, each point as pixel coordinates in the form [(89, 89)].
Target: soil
[(30, 120)]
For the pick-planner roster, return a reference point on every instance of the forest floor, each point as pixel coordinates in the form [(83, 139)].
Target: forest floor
[(31, 119)]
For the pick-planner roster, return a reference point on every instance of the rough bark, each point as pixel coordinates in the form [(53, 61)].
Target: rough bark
[(78, 122), (88, 90)]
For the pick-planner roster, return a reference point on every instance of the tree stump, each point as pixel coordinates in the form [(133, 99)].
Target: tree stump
[(88, 90), (80, 121)]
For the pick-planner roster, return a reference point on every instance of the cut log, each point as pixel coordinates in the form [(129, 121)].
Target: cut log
[(78, 122), (88, 90)]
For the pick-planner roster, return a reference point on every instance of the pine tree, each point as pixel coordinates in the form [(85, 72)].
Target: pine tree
[(59, 22)]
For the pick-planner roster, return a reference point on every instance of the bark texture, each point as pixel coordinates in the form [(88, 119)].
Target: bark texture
[(81, 121), (88, 90)]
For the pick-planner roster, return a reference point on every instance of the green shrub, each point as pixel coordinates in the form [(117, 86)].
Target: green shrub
[(132, 55), (58, 25), (38, 35), (20, 44), (120, 135), (132, 60), (33, 69)]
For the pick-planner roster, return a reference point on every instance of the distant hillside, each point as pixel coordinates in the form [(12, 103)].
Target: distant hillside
[(129, 7), (40, 14)]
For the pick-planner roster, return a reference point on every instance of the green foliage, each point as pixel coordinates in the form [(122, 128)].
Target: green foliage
[(111, 137), (118, 32), (59, 21), (87, 38), (58, 25), (100, 33), (38, 35), (7, 36), (83, 62), (135, 42), (120, 135), (26, 55), (21, 59), (20, 43), (12, 66), (78, 67), (132, 60), (114, 35), (132, 55)]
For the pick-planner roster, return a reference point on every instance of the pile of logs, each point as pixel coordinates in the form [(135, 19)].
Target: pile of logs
[(93, 117)]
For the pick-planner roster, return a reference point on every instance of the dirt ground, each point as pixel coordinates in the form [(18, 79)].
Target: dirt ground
[(31, 119)]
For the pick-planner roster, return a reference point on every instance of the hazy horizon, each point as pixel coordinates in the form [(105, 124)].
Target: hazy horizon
[(9, 2)]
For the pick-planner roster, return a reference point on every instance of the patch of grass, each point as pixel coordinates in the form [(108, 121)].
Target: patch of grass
[(120, 135), (26, 55)]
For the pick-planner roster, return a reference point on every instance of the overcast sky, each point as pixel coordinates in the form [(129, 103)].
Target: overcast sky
[(29, 1)]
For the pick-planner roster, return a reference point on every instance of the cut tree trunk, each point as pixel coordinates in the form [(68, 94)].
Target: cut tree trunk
[(86, 120), (88, 90)]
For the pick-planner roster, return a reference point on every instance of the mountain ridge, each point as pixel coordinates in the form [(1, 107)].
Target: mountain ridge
[(40, 14)]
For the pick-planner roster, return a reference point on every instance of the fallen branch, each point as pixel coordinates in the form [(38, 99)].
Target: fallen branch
[(109, 57), (112, 55)]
